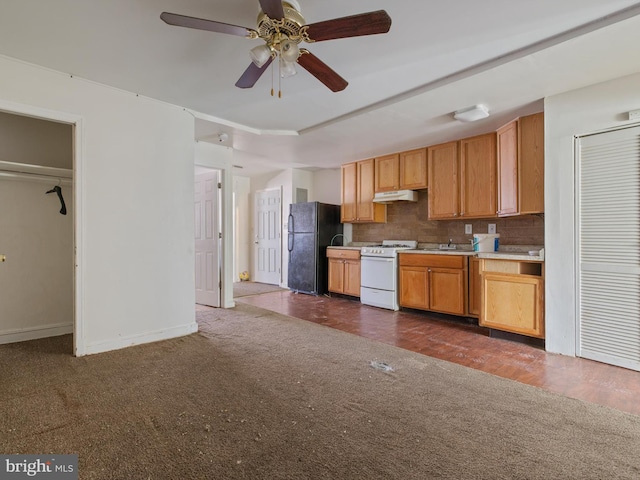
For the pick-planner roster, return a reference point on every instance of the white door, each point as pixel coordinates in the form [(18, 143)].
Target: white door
[(267, 243), (609, 247), (207, 231)]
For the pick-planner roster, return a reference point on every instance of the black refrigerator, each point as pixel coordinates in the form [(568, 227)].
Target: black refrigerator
[(312, 226)]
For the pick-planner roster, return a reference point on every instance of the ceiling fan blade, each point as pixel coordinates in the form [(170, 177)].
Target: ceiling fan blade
[(209, 25), (353, 26), (272, 8), (322, 72), (251, 75)]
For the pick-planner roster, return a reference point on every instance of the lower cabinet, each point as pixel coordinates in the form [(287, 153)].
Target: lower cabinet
[(434, 282), (513, 296), (344, 271)]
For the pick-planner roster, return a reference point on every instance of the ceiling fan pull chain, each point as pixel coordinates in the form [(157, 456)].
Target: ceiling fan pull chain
[(272, 67), (279, 77)]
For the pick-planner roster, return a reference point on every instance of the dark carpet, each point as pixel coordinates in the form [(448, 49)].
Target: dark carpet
[(258, 395)]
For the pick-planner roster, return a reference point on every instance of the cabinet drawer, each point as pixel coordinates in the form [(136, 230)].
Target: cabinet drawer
[(343, 253), (426, 260)]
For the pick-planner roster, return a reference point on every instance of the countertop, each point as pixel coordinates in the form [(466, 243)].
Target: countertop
[(508, 253), (520, 256)]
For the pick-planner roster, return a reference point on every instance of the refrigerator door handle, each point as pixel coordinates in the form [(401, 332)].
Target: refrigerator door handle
[(290, 224), (290, 242)]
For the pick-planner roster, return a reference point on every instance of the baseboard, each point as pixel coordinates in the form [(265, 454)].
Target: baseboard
[(34, 333), (148, 337)]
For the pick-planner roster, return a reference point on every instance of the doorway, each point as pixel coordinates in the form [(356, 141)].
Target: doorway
[(267, 239), (37, 219)]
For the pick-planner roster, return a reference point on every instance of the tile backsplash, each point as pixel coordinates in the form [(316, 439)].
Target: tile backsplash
[(408, 221)]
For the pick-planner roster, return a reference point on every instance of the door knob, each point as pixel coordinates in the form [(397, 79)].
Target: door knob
[(3, 258)]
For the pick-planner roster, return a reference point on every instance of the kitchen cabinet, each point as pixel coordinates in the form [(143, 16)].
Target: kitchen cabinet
[(443, 194), (357, 191), (520, 166), (402, 171), (462, 178), (387, 173), (513, 296), (344, 271), (475, 286), (433, 282), (413, 169), (478, 176)]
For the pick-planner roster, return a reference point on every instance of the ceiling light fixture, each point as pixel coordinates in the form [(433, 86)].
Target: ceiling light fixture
[(471, 114)]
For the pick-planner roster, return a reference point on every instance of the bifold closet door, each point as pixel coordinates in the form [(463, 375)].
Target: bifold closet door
[(609, 247)]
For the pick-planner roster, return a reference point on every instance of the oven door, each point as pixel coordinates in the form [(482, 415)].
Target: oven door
[(378, 272)]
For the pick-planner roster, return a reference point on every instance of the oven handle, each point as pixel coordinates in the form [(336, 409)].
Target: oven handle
[(376, 259)]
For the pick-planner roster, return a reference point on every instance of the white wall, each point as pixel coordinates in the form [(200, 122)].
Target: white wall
[(135, 205), (326, 186), (571, 114)]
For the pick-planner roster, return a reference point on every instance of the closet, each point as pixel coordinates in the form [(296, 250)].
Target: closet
[(36, 228)]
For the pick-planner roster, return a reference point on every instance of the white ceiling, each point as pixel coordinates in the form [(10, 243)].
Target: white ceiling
[(403, 86)]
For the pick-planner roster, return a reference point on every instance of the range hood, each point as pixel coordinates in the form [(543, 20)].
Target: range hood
[(395, 196)]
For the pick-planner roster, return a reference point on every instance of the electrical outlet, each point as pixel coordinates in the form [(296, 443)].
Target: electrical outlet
[(492, 228), (468, 229)]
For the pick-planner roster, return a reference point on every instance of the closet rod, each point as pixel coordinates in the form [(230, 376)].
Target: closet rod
[(32, 177)]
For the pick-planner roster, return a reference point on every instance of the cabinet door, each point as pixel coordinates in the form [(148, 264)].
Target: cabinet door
[(352, 277), (365, 190), (478, 176), (348, 193), (443, 192), (475, 284), (413, 169), (366, 210), (336, 275), (531, 164), (446, 290), (513, 303), (414, 287), (387, 173), (507, 157)]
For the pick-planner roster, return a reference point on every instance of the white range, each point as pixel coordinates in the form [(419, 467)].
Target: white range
[(379, 273)]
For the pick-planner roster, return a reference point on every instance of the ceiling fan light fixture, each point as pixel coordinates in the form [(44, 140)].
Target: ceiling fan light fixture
[(471, 114), (260, 55), (287, 69), (289, 50)]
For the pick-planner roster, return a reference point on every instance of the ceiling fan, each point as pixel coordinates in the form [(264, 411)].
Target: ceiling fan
[(282, 27)]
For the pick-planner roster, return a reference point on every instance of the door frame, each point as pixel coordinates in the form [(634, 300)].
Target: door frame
[(76, 122)]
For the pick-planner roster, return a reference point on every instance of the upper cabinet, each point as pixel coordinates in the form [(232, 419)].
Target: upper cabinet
[(444, 191), (462, 178), (520, 160), (357, 194), (402, 171), (387, 174), (478, 176), (413, 169)]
